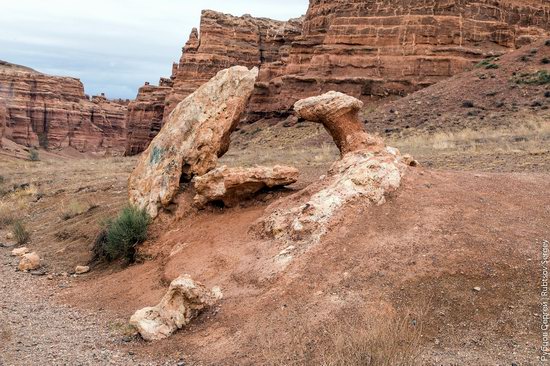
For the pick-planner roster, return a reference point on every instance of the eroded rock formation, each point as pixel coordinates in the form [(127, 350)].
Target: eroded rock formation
[(232, 185), (367, 172), (184, 300), (224, 41), (53, 112), (195, 135)]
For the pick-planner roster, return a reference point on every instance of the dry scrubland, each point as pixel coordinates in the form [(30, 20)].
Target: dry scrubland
[(62, 199)]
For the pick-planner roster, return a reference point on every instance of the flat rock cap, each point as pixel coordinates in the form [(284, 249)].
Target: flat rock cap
[(327, 106)]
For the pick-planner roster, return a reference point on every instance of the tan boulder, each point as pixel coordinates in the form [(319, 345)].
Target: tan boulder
[(29, 262), (81, 269), (184, 300), (194, 136), (231, 185), (339, 114), (19, 252)]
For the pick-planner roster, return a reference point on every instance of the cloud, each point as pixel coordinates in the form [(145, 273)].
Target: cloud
[(113, 46)]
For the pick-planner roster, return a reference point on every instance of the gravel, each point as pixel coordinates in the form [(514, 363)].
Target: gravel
[(35, 330)]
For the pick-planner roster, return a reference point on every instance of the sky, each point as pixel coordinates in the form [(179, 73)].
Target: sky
[(114, 46)]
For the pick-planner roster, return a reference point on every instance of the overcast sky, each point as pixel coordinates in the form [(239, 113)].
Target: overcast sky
[(113, 46)]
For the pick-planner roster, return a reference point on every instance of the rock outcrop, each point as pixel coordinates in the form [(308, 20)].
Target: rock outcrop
[(232, 185), (184, 300), (195, 135), (54, 112), (146, 114), (364, 48), (367, 172)]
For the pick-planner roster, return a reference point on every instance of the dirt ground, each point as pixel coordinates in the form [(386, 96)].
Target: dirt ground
[(447, 272), (420, 256)]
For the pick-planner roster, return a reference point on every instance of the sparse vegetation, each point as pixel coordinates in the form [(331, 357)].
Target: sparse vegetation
[(540, 77), (545, 61), (488, 63), (74, 209), (121, 235), (468, 104), (385, 342), (20, 233), (34, 155)]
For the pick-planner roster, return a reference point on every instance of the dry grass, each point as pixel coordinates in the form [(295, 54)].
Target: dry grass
[(350, 340), (530, 136), (389, 341), (20, 232), (76, 208)]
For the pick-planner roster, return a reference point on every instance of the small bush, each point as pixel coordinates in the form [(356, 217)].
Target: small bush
[(20, 233), (547, 43), (468, 104), (488, 63), (547, 94), (545, 61), (33, 155), (124, 233)]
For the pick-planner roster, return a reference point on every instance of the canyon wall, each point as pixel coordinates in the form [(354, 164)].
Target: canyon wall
[(54, 112), (2, 120), (365, 48), (377, 48), (224, 41)]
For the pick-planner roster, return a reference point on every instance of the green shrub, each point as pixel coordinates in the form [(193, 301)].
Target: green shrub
[(124, 233), (20, 233), (33, 155), (488, 63), (540, 77)]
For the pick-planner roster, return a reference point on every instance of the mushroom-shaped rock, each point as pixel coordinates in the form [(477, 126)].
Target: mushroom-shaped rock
[(184, 300), (339, 113), (195, 134), (29, 262), (232, 185), (367, 172)]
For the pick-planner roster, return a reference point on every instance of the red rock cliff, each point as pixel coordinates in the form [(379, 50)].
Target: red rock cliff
[(365, 48), (53, 112), (224, 41)]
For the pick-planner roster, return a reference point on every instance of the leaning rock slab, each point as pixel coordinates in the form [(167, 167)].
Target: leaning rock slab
[(29, 262), (184, 300), (232, 185), (196, 133)]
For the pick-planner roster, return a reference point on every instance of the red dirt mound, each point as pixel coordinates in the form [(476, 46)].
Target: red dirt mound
[(439, 237)]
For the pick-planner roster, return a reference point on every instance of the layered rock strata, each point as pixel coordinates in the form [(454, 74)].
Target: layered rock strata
[(364, 48), (224, 41), (195, 135), (54, 112), (232, 185), (367, 172), (183, 301), (3, 113)]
